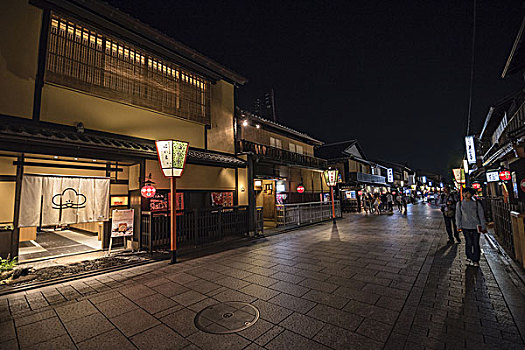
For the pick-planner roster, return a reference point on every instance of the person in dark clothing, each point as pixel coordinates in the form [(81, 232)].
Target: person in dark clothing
[(471, 220), (448, 202)]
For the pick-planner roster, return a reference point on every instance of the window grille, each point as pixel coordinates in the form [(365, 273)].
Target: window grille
[(88, 60)]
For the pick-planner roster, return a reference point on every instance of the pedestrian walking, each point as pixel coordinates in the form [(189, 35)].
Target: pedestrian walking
[(399, 202), (448, 203), (471, 220), (364, 202), (389, 202), (405, 202), (382, 206), (377, 205)]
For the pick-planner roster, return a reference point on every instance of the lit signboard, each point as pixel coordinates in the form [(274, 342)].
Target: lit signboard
[(492, 176), (471, 150), (390, 175), (172, 156), (331, 176)]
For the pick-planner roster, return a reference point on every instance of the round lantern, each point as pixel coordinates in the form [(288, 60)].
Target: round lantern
[(504, 175), (148, 190), (476, 185), (300, 189), (360, 193)]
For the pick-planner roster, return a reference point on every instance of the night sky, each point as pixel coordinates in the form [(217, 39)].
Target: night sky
[(392, 74)]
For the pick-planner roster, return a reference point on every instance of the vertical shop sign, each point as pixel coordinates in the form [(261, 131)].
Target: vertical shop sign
[(390, 175), (471, 149)]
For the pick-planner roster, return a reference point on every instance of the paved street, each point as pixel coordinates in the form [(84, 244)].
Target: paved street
[(371, 282)]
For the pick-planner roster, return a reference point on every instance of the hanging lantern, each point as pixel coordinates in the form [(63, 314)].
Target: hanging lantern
[(504, 175), (148, 190)]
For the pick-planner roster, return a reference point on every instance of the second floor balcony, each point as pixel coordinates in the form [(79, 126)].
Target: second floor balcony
[(281, 156), (366, 178)]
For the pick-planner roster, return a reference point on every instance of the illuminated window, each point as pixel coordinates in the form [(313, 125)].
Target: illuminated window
[(90, 61), (276, 142)]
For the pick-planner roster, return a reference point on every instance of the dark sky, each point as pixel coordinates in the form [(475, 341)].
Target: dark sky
[(393, 74)]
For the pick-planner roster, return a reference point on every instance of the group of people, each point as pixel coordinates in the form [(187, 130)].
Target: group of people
[(381, 203), (465, 216)]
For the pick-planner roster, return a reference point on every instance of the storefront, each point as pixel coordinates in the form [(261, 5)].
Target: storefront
[(60, 201)]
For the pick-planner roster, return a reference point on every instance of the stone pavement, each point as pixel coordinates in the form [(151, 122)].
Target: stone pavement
[(370, 282)]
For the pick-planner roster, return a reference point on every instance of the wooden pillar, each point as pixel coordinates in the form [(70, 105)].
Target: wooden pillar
[(15, 237), (173, 213), (252, 205)]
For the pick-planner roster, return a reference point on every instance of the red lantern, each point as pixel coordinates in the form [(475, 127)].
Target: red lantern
[(504, 175), (300, 188), (360, 193), (476, 185), (148, 190)]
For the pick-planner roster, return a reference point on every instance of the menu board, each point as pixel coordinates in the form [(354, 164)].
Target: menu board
[(122, 223)]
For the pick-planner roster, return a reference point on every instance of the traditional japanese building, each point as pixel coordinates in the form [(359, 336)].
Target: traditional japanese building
[(357, 173), (282, 168), (85, 90)]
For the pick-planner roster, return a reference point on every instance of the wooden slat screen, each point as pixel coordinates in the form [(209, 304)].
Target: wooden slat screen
[(87, 60)]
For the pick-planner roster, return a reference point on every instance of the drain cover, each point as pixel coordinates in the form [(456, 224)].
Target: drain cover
[(228, 317)]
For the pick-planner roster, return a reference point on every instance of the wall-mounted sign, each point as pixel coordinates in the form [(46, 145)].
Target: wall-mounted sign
[(300, 189), (471, 150), (476, 185), (360, 193), (492, 176), (339, 178), (390, 175), (424, 179), (224, 199), (504, 175), (172, 156), (280, 187), (459, 175), (515, 184)]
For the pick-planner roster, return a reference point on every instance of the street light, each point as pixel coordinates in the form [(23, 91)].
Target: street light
[(331, 176)]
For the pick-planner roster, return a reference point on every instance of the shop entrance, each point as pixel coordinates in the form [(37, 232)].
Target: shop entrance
[(62, 215), (266, 198)]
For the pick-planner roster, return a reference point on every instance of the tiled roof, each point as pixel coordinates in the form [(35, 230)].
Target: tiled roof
[(24, 135), (308, 138), (337, 150)]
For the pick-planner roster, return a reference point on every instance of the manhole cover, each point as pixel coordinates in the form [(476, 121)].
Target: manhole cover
[(228, 317)]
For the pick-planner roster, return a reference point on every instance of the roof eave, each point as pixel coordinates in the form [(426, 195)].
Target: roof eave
[(515, 47), (142, 34)]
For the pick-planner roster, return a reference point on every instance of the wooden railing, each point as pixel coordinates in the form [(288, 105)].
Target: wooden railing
[(499, 211), (195, 227), (293, 215), (281, 155)]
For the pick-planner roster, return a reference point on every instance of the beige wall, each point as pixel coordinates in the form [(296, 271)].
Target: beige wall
[(64, 106), (195, 177), (7, 189), (311, 179), (243, 182), (251, 133), (220, 136), (19, 36), (359, 167)]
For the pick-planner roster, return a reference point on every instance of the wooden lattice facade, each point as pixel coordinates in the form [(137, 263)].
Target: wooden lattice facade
[(85, 59)]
